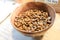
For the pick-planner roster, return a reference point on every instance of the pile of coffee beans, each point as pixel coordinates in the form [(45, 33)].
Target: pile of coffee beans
[(32, 20)]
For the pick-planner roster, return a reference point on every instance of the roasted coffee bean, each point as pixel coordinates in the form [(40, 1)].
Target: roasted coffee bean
[(33, 20)]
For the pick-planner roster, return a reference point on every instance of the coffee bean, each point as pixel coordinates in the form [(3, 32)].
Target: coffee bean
[(32, 20)]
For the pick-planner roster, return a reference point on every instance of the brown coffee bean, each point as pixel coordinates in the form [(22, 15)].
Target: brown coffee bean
[(21, 28), (33, 20)]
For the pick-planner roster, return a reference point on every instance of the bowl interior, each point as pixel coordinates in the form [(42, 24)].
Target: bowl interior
[(34, 5)]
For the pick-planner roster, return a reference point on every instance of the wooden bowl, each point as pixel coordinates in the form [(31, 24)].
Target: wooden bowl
[(33, 5)]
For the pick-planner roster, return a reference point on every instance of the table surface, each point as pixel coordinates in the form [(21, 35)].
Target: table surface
[(7, 32)]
